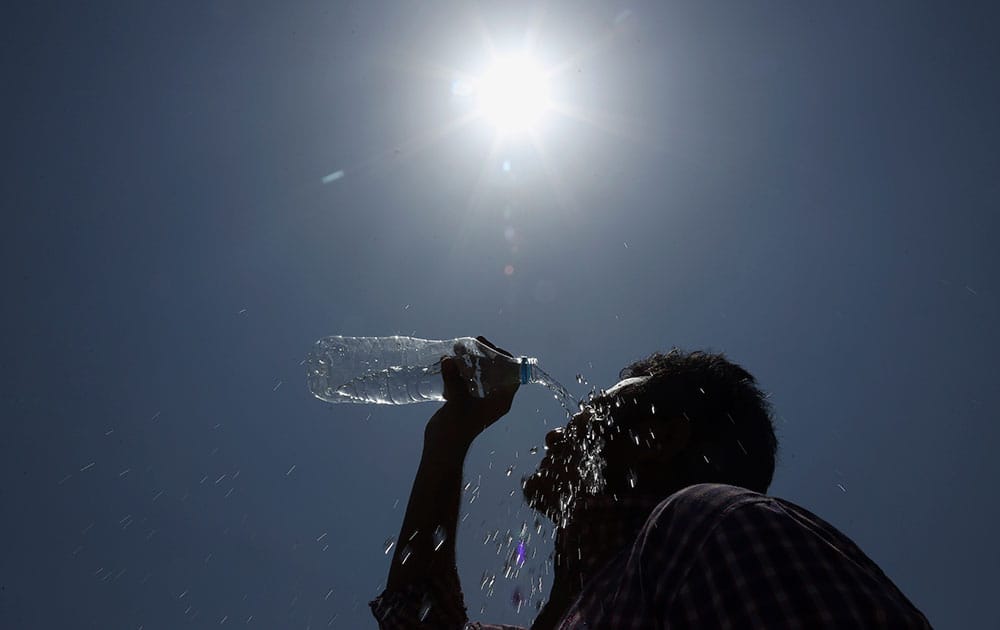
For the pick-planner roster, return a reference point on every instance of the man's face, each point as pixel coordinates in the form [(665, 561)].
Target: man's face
[(577, 456)]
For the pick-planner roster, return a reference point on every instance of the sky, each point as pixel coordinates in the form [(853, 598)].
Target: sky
[(193, 193)]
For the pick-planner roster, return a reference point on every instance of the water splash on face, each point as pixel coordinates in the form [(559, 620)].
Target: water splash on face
[(593, 464), (583, 463)]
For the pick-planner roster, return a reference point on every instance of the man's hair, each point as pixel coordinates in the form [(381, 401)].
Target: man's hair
[(732, 432)]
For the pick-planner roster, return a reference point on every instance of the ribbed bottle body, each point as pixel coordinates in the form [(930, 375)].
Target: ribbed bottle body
[(401, 370)]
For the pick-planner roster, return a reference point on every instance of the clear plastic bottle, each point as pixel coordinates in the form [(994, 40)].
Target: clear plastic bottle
[(402, 370)]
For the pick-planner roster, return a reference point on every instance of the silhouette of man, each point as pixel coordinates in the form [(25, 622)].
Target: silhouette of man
[(657, 491)]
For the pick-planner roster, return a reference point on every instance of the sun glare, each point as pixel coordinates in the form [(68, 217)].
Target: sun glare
[(513, 94)]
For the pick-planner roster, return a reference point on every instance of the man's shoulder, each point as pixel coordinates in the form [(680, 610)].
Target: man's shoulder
[(712, 497), (688, 515), (709, 511), (695, 510), (697, 529)]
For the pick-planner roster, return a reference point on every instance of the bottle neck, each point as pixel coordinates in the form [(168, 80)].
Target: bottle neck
[(527, 365)]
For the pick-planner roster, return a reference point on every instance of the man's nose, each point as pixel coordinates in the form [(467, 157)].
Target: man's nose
[(554, 437), (579, 422), (576, 424)]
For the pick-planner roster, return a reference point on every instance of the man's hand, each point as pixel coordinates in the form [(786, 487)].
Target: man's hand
[(463, 416)]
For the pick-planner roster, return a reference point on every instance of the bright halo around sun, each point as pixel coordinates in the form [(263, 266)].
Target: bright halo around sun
[(513, 95)]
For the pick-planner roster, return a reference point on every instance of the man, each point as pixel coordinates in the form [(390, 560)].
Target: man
[(656, 489)]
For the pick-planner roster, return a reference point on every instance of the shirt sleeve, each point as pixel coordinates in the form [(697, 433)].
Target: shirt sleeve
[(437, 605)]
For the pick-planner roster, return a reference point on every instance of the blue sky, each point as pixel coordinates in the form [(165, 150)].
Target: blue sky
[(810, 188)]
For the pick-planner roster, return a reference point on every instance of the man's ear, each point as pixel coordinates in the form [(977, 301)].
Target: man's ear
[(667, 438)]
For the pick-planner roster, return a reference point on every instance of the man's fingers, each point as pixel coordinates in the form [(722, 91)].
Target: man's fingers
[(486, 342), (452, 379)]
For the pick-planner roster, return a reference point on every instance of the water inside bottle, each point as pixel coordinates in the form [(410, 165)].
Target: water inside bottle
[(398, 384)]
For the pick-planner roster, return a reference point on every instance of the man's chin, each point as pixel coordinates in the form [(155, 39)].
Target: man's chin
[(544, 495)]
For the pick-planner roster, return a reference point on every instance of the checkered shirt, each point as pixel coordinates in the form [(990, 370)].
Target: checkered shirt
[(708, 556)]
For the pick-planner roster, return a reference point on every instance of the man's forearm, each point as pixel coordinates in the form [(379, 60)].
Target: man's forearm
[(425, 549), (423, 589)]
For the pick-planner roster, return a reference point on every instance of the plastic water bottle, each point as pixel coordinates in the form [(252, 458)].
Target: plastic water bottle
[(402, 370)]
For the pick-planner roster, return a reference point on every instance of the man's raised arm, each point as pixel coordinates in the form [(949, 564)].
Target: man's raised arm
[(423, 589)]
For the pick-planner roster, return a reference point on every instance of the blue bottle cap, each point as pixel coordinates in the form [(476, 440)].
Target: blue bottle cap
[(525, 370)]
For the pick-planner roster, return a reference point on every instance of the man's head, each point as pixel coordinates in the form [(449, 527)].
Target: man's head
[(674, 420)]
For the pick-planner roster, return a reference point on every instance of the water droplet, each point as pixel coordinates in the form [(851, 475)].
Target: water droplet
[(389, 542), (487, 580), (510, 469), (332, 177), (533, 450), (439, 537)]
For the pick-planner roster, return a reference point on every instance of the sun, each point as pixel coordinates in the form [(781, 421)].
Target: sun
[(513, 94)]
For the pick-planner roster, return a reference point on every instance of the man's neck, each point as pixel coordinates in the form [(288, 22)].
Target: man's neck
[(599, 529)]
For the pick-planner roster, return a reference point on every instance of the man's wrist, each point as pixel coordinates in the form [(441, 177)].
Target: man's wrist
[(444, 434)]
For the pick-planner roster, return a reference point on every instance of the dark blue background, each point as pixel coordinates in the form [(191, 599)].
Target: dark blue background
[(809, 187)]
